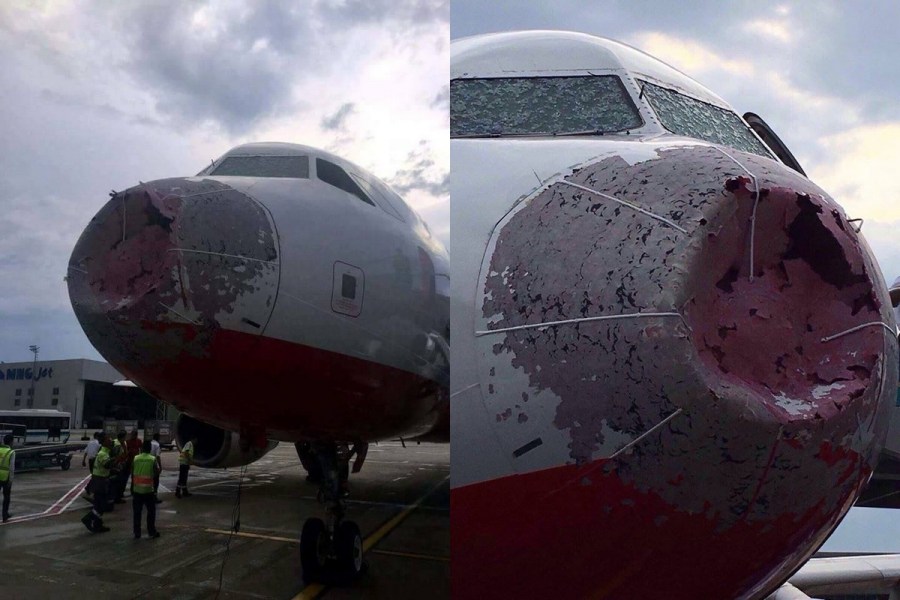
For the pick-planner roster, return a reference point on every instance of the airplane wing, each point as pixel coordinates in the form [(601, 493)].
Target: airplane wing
[(877, 574)]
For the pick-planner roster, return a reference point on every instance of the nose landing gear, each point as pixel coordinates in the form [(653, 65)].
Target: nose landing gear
[(332, 552)]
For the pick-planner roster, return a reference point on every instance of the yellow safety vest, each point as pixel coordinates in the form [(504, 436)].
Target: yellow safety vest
[(142, 473), (101, 463), (187, 454), (7, 456)]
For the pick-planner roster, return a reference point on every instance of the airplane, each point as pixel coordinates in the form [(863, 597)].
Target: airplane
[(674, 355), (281, 294)]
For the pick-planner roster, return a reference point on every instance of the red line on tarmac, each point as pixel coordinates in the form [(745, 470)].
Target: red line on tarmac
[(57, 507)]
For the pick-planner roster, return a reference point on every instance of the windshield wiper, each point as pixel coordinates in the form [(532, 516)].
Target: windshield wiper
[(587, 132)]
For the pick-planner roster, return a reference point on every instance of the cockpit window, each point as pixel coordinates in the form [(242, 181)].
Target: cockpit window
[(683, 115), (334, 175), (264, 166), (540, 106)]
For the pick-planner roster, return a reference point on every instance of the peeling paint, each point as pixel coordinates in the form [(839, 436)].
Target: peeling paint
[(169, 252), (758, 388)]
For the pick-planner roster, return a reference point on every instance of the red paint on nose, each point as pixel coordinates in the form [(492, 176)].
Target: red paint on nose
[(765, 332), (175, 251), (127, 249)]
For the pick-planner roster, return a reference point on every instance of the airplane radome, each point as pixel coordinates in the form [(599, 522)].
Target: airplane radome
[(283, 293), (673, 353)]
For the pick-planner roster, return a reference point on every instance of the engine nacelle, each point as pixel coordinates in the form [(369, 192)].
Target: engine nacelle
[(215, 447)]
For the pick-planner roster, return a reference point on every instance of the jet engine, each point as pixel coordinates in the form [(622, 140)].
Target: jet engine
[(216, 447)]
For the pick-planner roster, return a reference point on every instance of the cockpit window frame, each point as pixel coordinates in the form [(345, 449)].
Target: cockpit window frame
[(642, 81), (619, 77), (375, 194), (353, 189)]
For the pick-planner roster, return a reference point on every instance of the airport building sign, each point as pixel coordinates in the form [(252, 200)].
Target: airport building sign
[(84, 388), (25, 373)]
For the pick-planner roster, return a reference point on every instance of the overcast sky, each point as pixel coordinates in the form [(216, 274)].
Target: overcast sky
[(825, 75), (96, 96)]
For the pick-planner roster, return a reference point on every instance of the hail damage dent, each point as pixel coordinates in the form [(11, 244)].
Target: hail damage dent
[(744, 363), (166, 263)]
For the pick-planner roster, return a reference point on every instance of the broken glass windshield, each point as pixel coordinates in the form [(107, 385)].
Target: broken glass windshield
[(540, 105), (686, 116), (264, 166)]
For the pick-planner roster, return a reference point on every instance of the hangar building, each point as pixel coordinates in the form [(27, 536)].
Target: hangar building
[(84, 388)]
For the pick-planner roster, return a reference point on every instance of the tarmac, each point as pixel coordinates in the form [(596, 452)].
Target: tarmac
[(400, 499)]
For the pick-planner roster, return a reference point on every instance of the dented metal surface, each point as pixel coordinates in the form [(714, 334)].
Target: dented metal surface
[(673, 360), (174, 251), (669, 367), (627, 375)]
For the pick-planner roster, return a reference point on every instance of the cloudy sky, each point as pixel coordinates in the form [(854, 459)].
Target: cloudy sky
[(96, 96), (823, 74)]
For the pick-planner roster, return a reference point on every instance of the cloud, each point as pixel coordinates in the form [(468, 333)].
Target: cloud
[(442, 99), (860, 170), (368, 11), (338, 120), (689, 56), (232, 65), (420, 172), (777, 30)]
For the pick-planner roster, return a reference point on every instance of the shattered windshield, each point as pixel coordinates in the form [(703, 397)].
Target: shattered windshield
[(264, 166), (686, 116), (540, 106)]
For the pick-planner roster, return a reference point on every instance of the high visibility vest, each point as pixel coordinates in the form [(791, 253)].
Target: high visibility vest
[(187, 454), (7, 456), (142, 473), (101, 463)]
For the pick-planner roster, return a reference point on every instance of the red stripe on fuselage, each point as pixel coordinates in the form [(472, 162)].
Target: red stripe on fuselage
[(577, 532), (261, 382)]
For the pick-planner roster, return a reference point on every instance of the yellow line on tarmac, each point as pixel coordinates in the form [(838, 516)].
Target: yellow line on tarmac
[(310, 592), (254, 535)]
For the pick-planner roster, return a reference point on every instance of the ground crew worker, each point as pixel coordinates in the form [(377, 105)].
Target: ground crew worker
[(133, 447), (7, 468), (100, 485), (90, 453), (119, 469), (143, 469), (185, 460), (155, 451)]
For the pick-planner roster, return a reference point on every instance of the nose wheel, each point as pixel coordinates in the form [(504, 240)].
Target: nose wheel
[(331, 556), (331, 552)]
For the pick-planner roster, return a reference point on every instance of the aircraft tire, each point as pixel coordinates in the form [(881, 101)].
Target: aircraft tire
[(313, 549), (349, 549)]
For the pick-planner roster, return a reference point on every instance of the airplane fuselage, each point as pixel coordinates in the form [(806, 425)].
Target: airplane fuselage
[(672, 358), (284, 307)]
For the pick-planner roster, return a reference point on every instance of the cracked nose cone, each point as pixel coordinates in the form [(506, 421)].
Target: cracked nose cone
[(710, 356), (166, 265)]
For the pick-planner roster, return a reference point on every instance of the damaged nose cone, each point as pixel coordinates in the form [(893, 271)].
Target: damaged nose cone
[(786, 308), (166, 264), (708, 353)]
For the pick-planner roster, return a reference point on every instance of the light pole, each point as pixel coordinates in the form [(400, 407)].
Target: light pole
[(33, 374)]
